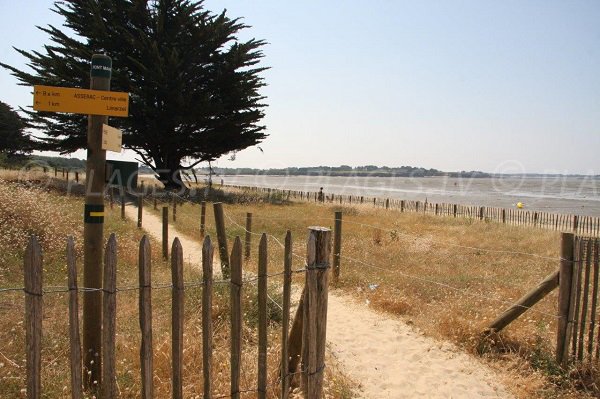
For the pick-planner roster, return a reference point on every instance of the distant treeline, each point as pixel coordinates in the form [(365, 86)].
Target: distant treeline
[(345, 170)]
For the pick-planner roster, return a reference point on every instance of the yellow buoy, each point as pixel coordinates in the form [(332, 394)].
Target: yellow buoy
[(519, 205)]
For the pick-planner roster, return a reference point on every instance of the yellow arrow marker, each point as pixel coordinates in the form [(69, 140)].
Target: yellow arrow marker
[(97, 214)]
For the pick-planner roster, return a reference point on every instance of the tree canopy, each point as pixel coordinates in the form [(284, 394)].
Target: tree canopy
[(13, 139), (194, 86)]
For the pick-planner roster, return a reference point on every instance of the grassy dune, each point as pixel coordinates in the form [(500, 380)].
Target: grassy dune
[(53, 216), (449, 277)]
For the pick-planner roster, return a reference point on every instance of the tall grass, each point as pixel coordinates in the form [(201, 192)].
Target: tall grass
[(448, 277)]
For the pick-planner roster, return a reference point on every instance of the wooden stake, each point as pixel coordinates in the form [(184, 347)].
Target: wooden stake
[(285, 321), (262, 317), (236, 317), (207, 332), (109, 319), (74, 340), (177, 316), (222, 238), (32, 272), (145, 305), (564, 295)]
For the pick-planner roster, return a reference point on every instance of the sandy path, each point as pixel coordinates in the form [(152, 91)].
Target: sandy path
[(387, 357)]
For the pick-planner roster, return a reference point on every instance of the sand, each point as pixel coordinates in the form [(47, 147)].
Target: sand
[(387, 357)]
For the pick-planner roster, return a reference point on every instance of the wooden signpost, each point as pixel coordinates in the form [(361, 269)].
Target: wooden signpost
[(99, 103)]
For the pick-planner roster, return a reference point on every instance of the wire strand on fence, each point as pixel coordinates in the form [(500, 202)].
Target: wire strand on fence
[(444, 285)]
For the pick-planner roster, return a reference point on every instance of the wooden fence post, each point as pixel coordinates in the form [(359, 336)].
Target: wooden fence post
[(337, 246), (177, 316), (314, 329), (454, 209), (236, 317), (32, 272), (174, 208), (122, 206), (248, 237), (207, 332), (575, 223), (503, 215), (387, 203), (77, 177), (74, 339), (109, 319), (221, 238), (481, 210), (145, 306), (202, 218), (285, 319), (402, 206), (565, 279), (140, 210), (262, 318), (165, 232)]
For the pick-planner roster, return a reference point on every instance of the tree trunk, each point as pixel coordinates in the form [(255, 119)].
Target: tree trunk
[(171, 177)]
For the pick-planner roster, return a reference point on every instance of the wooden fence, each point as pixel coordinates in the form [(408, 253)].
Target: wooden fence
[(578, 224), (302, 348), (577, 278)]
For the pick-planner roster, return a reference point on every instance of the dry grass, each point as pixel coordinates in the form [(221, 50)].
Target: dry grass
[(449, 277), (52, 216)]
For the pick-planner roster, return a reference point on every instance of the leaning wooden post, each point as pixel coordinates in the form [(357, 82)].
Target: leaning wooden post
[(75, 342), (248, 238), (207, 332), (140, 210), (145, 306), (222, 238), (165, 232), (262, 318), (564, 294), (109, 319), (177, 316), (337, 246), (314, 331), (202, 218), (32, 272), (285, 319), (526, 302), (236, 317)]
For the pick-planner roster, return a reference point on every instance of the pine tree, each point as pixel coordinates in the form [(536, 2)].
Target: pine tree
[(194, 87), (13, 139)]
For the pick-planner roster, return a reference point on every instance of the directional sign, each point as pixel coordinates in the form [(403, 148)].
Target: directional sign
[(112, 138), (80, 101)]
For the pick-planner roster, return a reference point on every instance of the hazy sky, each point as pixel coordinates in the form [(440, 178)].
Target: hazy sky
[(452, 85)]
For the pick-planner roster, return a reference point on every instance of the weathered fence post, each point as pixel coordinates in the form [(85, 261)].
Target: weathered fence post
[(402, 206), (140, 210), (202, 218), (387, 203), (262, 318), (145, 309), (236, 317), (481, 210), (177, 316), (314, 326), (109, 319), (207, 332), (74, 340), (565, 278), (454, 209), (174, 208), (221, 238), (122, 206), (165, 232), (503, 215), (337, 246), (32, 272), (285, 319), (248, 238), (575, 223), (76, 176)]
